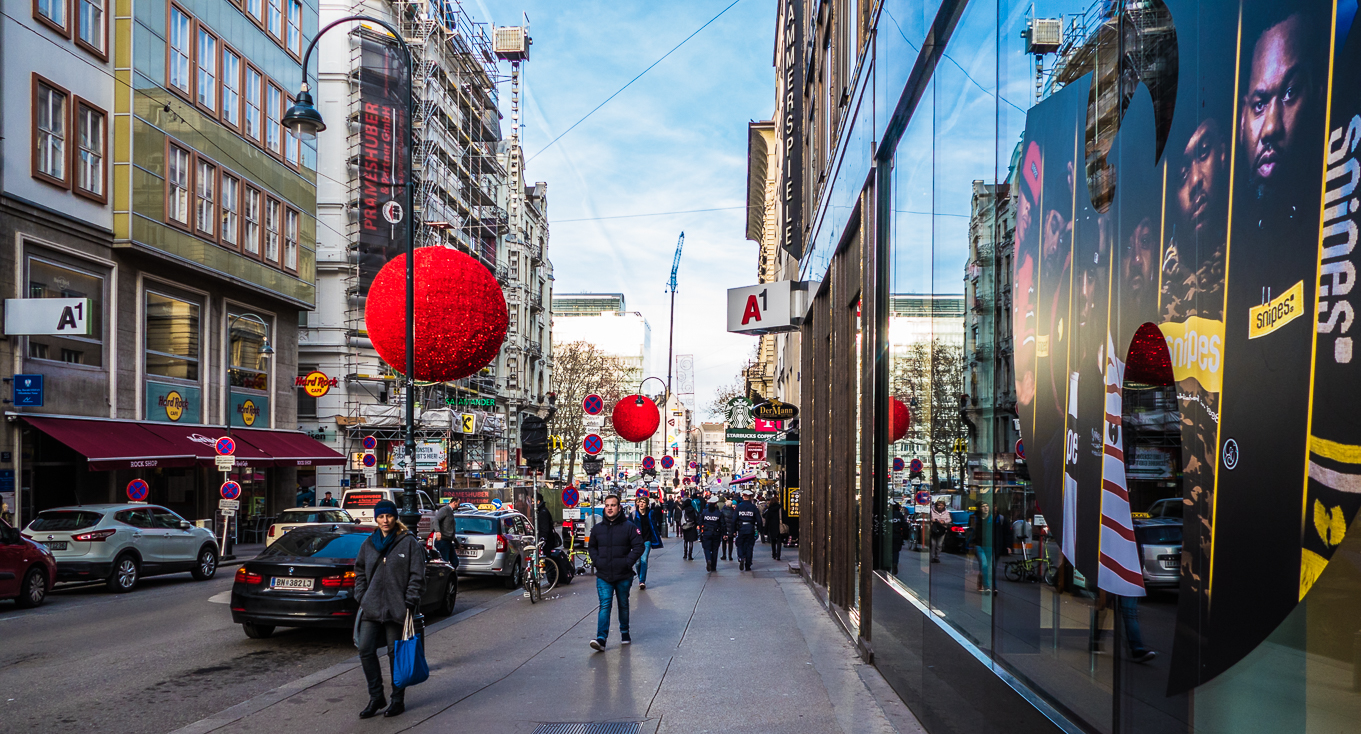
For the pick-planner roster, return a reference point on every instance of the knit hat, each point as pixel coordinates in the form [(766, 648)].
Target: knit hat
[(384, 507)]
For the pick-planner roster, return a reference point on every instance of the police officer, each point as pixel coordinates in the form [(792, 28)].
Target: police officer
[(748, 525), (711, 531)]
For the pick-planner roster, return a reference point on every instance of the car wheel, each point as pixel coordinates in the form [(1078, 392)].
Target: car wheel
[(257, 631), (34, 590), (206, 567), (125, 574), (516, 578), (446, 607)]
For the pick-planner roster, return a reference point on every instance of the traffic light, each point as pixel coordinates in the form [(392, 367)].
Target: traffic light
[(534, 437), (592, 465)]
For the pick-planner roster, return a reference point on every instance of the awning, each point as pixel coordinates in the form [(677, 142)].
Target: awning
[(201, 443), (289, 448), (114, 444)]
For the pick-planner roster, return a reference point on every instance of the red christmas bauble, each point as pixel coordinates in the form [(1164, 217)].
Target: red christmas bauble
[(900, 417), (634, 421), (460, 314)]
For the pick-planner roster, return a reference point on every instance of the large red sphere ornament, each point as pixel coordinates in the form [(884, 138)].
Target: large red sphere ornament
[(460, 314), (636, 418), (900, 417)]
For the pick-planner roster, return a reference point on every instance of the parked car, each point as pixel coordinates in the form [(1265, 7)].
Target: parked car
[(121, 543), (306, 579), (359, 503), (492, 543), (301, 517), (957, 538), (1170, 507), (1159, 540), (27, 569)]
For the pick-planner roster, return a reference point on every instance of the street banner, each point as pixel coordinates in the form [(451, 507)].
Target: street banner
[(384, 141)]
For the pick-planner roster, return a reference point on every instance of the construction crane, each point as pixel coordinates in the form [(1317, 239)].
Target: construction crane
[(675, 265), (670, 339)]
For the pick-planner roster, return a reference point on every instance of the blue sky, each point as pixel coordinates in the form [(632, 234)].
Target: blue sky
[(675, 140)]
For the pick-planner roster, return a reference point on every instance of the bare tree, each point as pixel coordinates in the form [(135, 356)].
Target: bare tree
[(929, 378), (579, 369)]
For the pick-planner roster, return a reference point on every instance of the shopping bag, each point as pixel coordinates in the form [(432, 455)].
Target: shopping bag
[(408, 657)]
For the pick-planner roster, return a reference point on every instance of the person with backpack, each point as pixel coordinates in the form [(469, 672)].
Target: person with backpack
[(389, 578), (689, 528)]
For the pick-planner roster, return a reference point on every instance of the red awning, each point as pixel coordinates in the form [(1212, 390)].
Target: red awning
[(289, 448), (114, 444), (201, 443)]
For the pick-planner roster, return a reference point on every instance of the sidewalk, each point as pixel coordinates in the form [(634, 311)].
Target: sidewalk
[(729, 652)]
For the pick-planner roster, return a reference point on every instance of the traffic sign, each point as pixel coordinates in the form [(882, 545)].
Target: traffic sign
[(370, 443), (227, 513), (226, 446), (668, 462), (496, 502), (570, 497), (593, 404), (225, 463), (753, 452), (137, 490), (370, 461), (593, 422), (923, 497), (898, 463), (649, 463), (1020, 450), (915, 466), (231, 490), (228, 504), (694, 465), (593, 444)]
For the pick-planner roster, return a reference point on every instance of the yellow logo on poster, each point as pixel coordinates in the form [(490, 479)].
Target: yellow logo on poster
[(1196, 347), (469, 422), (249, 412), (173, 403), (1277, 312)]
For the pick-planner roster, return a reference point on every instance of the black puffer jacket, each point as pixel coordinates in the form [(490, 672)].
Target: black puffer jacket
[(388, 585), (616, 544)]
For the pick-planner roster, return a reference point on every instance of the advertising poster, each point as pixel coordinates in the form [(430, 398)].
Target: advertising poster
[(384, 84)]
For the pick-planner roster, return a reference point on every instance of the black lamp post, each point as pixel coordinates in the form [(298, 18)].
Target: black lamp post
[(304, 121)]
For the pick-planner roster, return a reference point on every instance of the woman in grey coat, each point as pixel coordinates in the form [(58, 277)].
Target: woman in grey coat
[(389, 577)]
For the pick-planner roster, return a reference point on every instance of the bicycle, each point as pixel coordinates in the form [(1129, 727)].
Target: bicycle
[(579, 558), (541, 573), (1032, 569)]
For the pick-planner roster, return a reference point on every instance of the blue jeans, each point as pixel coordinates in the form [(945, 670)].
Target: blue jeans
[(642, 563), (1128, 607), (985, 565), (446, 551), (608, 591)]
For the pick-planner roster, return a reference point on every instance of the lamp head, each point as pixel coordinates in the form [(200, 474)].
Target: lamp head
[(303, 119)]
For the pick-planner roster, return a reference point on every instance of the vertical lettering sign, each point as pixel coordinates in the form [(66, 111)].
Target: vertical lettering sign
[(791, 130), (384, 82)]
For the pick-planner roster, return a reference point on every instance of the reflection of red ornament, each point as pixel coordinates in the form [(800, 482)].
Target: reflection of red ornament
[(635, 418), (899, 419), (460, 314)]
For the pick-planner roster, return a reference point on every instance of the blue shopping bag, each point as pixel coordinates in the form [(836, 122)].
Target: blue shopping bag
[(408, 657)]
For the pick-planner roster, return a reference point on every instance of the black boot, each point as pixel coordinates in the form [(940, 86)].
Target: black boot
[(398, 704), (375, 705)]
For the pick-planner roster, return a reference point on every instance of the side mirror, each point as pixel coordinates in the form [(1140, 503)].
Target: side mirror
[(185, 525)]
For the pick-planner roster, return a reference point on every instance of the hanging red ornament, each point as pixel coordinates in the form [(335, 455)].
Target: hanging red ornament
[(900, 417), (635, 418), (460, 314)]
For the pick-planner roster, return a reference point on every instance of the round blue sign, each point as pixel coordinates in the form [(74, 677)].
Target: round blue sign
[(570, 497), (370, 460), (923, 497), (370, 443), (649, 462), (593, 404), (897, 463), (1020, 449), (137, 490), (593, 444), (915, 466), (668, 462), (230, 490), (226, 446), (496, 502)]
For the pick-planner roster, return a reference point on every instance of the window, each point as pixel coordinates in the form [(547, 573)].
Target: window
[(274, 99), (91, 27), (307, 405), (292, 147), (254, 83), (49, 135), (273, 210), (274, 18), (50, 280), (291, 239), (295, 27), (256, 10), (207, 69), (250, 216), (230, 200), (181, 36), (90, 136), (177, 186), (205, 199), (172, 337), (52, 13), (231, 87), (249, 367), (512, 372)]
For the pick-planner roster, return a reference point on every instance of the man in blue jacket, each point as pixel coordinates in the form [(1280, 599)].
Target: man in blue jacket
[(616, 544)]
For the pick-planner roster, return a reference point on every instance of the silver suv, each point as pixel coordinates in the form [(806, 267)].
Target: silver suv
[(492, 541), (121, 543)]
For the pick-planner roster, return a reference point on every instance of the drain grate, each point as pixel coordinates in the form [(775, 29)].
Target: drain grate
[(627, 727)]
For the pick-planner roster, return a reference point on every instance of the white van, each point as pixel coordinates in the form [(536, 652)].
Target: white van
[(359, 503)]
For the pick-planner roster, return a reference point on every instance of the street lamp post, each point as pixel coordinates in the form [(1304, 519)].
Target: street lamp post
[(305, 121)]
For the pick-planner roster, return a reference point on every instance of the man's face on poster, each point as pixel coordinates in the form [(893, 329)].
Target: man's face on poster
[(1278, 94), (1140, 262), (1201, 191)]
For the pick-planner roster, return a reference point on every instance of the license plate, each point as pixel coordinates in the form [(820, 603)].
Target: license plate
[(283, 583), (469, 552), (55, 544)]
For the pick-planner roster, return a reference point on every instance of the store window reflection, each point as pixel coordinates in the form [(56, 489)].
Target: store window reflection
[(249, 349), (172, 337)]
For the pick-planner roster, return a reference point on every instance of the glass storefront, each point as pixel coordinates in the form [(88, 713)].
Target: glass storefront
[(1128, 470)]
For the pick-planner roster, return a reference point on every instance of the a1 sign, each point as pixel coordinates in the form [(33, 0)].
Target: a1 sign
[(762, 309), (47, 316), (753, 452)]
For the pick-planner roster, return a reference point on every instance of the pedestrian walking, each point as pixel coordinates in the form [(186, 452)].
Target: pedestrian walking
[(711, 531), (773, 521), (389, 578), (729, 512), (940, 526), (643, 517), (987, 532), (445, 533), (748, 525), (689, 529), (616, 544), (899, 533)]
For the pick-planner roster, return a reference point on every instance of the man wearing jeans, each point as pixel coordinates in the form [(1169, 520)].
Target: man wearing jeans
[(616, 544)]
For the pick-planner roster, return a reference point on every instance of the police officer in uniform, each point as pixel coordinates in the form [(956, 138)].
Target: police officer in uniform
[(712, 528), (748, 525)]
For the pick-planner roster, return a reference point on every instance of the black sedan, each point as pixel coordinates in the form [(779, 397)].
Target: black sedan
[(306, 579)]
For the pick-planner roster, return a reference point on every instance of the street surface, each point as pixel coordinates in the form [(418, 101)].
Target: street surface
[(155, 659)]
